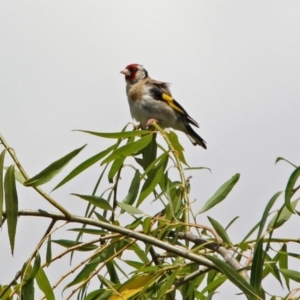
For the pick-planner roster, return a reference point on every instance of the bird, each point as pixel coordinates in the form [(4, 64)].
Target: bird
[(151, 100)]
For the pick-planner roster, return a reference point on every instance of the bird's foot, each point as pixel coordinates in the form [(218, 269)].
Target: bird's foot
[(151, 121)]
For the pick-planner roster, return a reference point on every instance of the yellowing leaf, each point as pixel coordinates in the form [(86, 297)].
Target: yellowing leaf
[(131, 287)]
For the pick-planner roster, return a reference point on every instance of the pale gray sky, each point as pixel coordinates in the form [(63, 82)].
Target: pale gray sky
[(233, 65)]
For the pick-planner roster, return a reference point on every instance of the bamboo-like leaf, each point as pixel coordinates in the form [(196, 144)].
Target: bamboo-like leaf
[(257, 266), (266, 214), (281, 158), (289, 191), (231, 222), (84, 165), (170, 281), (97, 201), (133, 189), (44, 284), (153, 179), (220, 231), (149, 152), (115, 167), (129, 149), (232, 275), (292, 274), (220, 194), (2, 155), (52, 170), (283, 263), (70, 243), (89, 231), (84, 273), (49, 251), (130, 209), (11, 203), (284, 216), (177, 146), (28, 290), (197, 168), (117, 135)]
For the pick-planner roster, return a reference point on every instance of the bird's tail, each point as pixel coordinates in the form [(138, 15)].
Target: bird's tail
[(195, 138)]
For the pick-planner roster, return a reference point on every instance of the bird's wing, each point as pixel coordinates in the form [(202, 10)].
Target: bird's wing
[(160, 91)]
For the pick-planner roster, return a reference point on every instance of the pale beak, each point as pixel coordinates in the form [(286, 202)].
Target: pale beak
[(125, 72)]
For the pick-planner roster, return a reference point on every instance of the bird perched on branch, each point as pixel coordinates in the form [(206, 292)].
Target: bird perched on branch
[(151, 100)]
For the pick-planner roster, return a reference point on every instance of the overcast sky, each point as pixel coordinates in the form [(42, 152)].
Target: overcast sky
[(233, 65)]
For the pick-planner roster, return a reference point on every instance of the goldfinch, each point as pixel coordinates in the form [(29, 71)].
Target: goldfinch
[(150, 100)]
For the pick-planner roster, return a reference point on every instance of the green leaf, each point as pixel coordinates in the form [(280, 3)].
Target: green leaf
[(52, 170), (83, 166), (266, 214), (197, 168), (283, 263), (170, 281), (281, 158), (285, 214), (153, 179), (2, 155), (289, 191), (177, 146), (117, 135), (292, 274), (84, 273), (97, 201), (44, 284), (28, 290), (257, 266), (133, 189), (220, 231), (69, 244), (115, 167), (220, 194), (36, 266), (11, 203), (129, 149), (149, 153), (89, 231), (231, 222), (232, 275), (49, 251), (130, 209)]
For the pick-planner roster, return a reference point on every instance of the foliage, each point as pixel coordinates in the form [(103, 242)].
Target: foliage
[(170, 253)]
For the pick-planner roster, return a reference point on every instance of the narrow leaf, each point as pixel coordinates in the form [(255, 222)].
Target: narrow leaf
[(2, 155), (130, 209), (11, 203), (117, 135), (281, 158), (220, 194), (97, 201), (83, 166), (284, 216), (232, 275), (289, 191), (49, 251), (292, 274), (115, 168), (129, 149), (177, 146), (133, 189), (257, 266), (52, 170), (220, 231), (44, 284)]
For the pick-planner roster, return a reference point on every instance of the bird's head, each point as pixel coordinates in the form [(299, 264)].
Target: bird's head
[(134, 73)]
